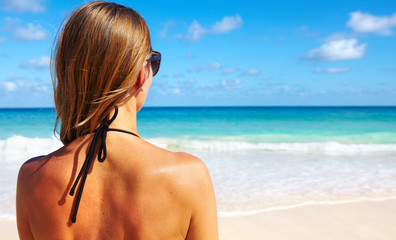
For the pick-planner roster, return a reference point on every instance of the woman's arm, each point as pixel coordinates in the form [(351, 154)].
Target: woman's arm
[(203, 222), (22, 198)]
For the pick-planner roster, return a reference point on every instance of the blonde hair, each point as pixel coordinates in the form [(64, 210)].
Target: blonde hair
[(97, 59)]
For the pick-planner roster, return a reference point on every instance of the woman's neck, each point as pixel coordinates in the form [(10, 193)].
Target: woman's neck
[(126, 118)]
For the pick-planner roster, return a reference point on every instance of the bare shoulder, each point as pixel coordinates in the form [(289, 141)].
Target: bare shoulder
[(195, 169), (183, 163), (28, 170), (36, 172), (186, 172), (25, 191), (195, 177), (199, 194), (182, 172)]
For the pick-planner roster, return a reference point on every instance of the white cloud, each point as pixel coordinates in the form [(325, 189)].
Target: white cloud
[(285, 89), (9, 86), (190, 55), (272, 84), (15, 83), (338, 50), (176, 91), (11, 24), (227, 71), (194, 69), (177, 75), (196, 31), (251, 72), (212, 66), (29, 32), (367, 23), (167, 88), (305, 31), (34, 6), (332, 70), (231, 84), (346, 83), (164, 30), (40, 63), (264, 78), (209, 67), (339, 36), (227, 24), (33, 32)]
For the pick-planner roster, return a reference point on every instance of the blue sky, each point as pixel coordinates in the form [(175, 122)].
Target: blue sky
[(265, 53)]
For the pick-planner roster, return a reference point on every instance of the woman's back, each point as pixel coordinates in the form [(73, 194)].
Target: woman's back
[(139, 192), (104, 65)]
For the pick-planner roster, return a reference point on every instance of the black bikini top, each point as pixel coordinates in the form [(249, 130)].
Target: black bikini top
[(100, 133)]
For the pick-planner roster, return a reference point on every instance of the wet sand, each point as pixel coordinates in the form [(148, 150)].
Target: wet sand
[(345, 221)]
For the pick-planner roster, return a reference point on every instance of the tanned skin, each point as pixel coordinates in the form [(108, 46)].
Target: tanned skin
[(139, 192)]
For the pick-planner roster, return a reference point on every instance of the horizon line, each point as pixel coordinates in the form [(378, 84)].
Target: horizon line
[(228, 106)]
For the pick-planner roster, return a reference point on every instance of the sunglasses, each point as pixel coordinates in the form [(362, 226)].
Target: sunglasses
[(155, 61)]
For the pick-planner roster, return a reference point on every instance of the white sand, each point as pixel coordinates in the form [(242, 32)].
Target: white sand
[(371, 220), (8, 229)]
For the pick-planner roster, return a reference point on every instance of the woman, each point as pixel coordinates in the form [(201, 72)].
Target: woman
[(104, 66)]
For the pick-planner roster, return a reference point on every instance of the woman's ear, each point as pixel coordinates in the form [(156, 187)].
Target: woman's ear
[(142, 76)]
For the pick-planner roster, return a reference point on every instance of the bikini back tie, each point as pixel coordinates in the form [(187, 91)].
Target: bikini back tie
[(100, 134)]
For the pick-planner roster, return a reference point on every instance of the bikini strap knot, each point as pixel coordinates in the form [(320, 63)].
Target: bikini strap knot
[(100, 134), (102, 131)]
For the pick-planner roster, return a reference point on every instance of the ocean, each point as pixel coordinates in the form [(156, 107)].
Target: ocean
[(259, 158)]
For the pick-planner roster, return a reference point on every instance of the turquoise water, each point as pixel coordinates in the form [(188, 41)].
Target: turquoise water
[(259, 158), (273, 124), (27, 122), (250, 124)]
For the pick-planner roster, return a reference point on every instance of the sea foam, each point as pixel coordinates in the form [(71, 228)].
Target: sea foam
[(18, 146), (250, 177), (24, 146), (310, 147)]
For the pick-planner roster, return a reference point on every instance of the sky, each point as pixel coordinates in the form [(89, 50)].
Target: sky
[(226, 53)]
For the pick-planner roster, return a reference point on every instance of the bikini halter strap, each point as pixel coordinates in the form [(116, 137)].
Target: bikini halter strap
[(100, 135)]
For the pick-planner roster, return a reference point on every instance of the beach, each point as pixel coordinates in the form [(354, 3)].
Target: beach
[(358, 220), (277, 172), (344, 221)]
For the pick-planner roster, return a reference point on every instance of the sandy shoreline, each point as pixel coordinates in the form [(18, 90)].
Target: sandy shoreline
[(358, 220), (345, 221), (8, 229)]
